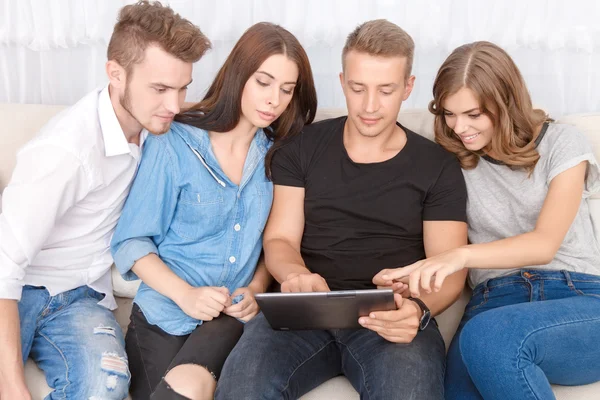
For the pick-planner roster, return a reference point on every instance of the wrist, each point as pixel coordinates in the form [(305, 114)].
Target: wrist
[(296, 273), (180, 291), (417, 307), (465, 254)]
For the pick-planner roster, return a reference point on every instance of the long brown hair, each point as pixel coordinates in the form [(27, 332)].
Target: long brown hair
[(495, 80), (221, 108)]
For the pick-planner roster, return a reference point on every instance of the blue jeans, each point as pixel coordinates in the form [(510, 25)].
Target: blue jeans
[(268, 364), (523, 332), (76, 342)]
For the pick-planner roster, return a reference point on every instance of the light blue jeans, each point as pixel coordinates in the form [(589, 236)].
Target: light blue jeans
[(523, 332), (76, 342)]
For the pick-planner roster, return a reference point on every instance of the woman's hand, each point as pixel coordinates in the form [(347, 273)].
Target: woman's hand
[(245, 309), (421, 273)]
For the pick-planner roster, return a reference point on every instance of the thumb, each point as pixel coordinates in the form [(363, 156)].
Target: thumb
[(399, 300)]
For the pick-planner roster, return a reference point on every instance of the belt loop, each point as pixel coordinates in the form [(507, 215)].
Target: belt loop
[(568, 278), (486, 288)]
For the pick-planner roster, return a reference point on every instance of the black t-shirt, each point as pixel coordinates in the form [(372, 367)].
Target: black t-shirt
[(362, 218)]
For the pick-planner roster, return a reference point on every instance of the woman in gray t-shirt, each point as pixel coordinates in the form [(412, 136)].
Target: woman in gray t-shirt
[(534, 261)]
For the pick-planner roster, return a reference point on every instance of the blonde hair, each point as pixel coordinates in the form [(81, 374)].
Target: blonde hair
[(495, 80), (150, 23), (381, 38)]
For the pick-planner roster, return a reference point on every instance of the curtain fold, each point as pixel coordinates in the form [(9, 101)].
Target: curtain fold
[(53, 51)]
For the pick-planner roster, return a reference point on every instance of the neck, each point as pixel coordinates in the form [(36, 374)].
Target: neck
[(130, 126), (377, 148), (239, 137)]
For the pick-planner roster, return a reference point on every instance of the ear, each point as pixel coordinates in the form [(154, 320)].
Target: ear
[(408, 87), (116, 74)]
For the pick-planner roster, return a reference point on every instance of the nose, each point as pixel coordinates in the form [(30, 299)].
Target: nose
[(273, 99), (460, 125), (172, 102), (372, 102)]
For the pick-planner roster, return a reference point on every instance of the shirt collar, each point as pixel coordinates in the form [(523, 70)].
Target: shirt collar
[(115, 142), (199, 139)]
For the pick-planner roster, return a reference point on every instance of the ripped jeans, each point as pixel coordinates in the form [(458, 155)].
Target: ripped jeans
[(76, 342)]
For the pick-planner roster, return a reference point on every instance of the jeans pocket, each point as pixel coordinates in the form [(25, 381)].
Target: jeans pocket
[(478, 300), (586, 287)]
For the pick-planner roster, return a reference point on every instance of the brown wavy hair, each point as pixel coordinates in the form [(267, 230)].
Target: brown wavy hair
[(495, 80), (221, 108), (147, 23)]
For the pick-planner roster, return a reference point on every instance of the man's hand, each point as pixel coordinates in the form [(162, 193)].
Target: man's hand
[(397, 326), (204, 303), (246, 309), (305, 282)]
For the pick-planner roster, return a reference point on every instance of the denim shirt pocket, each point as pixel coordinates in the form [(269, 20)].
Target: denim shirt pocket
[(198, 214)]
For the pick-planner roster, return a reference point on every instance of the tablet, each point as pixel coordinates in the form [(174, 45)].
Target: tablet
[(323, 310)]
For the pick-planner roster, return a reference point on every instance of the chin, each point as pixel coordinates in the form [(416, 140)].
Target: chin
[(159, 129)]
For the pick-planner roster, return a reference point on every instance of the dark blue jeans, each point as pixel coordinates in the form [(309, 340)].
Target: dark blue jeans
[(268, 364), (523, 332)]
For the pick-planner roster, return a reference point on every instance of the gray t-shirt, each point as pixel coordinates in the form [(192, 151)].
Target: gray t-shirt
[(505, 202)]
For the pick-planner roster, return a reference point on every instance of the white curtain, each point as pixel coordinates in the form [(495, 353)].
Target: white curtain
[(53, 51)]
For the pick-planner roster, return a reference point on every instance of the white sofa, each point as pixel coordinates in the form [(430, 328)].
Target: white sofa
[(20, 123)]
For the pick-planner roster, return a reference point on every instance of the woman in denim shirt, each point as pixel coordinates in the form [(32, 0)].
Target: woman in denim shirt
[(192, 226), (534, 259)]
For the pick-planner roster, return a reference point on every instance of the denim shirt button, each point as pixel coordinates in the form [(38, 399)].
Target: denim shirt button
[(232, 259), (237, 227)]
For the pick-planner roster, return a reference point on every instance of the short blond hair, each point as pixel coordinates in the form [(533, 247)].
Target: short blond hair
[(383, 38), (148, 23)]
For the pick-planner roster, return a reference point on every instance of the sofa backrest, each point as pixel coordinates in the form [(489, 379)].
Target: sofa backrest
[(20, 122)]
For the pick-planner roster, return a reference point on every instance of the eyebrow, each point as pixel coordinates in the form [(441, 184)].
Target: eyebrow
[(390, 85), (162, 85), (464, 112), (272, 77)]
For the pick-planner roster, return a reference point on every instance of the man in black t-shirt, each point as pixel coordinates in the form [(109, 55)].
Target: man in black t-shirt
[(354, 196)]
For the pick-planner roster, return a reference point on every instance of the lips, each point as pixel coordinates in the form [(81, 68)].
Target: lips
[(166, 118), (267, 116), (369, 121), (469, 138)]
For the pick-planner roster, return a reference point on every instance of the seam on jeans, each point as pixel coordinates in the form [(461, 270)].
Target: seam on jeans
[(520, 349), (287, 384), (137, 344), (361, 368), (64, 389)]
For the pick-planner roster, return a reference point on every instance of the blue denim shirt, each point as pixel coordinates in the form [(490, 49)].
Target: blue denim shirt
[(184, 208)]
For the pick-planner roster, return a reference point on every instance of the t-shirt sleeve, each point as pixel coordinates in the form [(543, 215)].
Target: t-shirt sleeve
[(569, 148), (286, 166), (447, 198)]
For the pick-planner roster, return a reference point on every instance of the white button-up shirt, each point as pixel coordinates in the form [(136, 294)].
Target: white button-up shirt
[(62, 204)]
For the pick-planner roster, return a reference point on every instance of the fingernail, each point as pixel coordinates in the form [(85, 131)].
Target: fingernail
[(362, 321)]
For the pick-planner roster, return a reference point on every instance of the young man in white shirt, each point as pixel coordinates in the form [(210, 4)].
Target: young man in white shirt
[(63, 202)]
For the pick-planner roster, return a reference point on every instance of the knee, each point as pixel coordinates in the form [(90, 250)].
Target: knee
[(485, 341), (114, 378), (191, 381)]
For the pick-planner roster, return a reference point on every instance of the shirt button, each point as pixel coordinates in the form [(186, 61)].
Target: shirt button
[(237, 227), (232, 259)]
